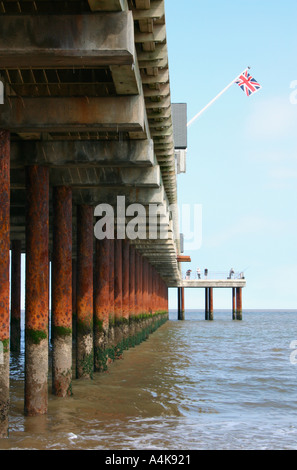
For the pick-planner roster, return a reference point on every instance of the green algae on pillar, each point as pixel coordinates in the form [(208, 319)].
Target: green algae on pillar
[(84, 298), (37, 290), (62, 292), (101, 303), (4, 279)]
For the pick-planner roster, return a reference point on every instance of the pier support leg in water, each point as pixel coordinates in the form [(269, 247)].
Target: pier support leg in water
[(111, 293), (206, 304), (182, 302), (132, 265), (238, 303), (101, 303), (179, 304), (233, 303), (15, 333), (4, 279), (210, 296), (118, 292), (37, 290), (125, 289), (62, 292), (84, 298)]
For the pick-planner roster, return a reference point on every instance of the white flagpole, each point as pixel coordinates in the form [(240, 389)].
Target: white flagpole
[(215, 99)]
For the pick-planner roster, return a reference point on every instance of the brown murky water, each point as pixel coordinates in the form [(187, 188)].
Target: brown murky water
[(191, 385)]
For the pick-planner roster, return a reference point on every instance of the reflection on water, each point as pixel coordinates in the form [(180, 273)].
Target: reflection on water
[(191, 385)]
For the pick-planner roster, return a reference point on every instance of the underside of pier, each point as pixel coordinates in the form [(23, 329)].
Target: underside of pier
[(86, 127)]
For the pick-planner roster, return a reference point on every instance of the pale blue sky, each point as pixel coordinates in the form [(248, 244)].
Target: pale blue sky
[(242, 152)]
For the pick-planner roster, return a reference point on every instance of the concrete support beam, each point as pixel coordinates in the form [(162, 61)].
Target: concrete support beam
[(84, 310), (62, 292), (101, 302), (108, 5), (67, 40), (15, 333), (73, 114), (4, 280), (83, 154), (37, 291), (108, 177)]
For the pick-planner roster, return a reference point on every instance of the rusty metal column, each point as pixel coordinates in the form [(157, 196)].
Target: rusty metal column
[(179, 316), (74, 283), (118, 285), (182, 302), (144, 285), (151, 290), (84, 299), (101, 302), (206, 304), (238, 303), (233, 303), (37, 290), (62, 291), (210, 293), (111, 293), (15, 333), (132, 266), (140, 285), (4, 279), (125, 288)]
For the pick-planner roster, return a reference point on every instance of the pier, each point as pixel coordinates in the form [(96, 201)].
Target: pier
[(86, 142), (89, 159), (235, 283)]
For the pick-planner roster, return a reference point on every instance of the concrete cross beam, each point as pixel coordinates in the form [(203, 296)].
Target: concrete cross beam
[(73, 114), (97, 177), (108, 5), (83, 154), (67, 40)]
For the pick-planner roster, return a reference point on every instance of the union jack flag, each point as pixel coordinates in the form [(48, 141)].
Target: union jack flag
[(247, 83)]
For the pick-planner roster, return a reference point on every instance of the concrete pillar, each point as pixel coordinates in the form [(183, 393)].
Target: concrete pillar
[(238, 303), (137, 284), (144, 285), (233, 303), (74, 283), (132, 266), (206, 304), (210, 293), (84, 298), (111, 293), (125, 288), (37, 290), (179, 304), (4, 279), (62, 292), (150, 288), (182, 302), (101, 302), (118, 299), (140, 294), (15, 333)]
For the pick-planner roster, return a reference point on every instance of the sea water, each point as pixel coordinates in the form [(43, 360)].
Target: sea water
[(193, 384)]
